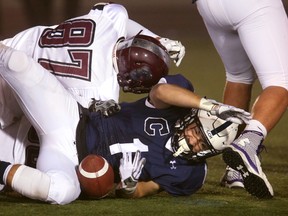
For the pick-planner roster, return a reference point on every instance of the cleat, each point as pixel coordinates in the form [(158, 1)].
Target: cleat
[(232, 179), (241, 155)]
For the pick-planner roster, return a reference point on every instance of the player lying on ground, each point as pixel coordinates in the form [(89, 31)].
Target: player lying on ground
[(56, 121)]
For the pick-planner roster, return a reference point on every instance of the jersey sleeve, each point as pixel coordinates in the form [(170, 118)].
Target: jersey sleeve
[(115, 14), (179, 80)]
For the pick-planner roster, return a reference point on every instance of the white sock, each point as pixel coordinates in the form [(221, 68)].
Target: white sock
[(255, 125)]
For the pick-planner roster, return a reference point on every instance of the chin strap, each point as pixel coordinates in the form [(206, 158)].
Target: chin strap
[(183, 147)]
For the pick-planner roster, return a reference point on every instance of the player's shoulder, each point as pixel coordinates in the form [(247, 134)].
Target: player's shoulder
[(178, 79), (109, 8)]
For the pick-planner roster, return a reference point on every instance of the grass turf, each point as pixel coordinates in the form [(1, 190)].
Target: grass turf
[(211, 198)]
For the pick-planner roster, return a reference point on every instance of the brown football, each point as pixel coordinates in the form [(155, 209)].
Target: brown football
[(96, 176)]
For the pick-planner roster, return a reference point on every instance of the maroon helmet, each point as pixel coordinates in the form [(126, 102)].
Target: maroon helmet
[(140, 62)]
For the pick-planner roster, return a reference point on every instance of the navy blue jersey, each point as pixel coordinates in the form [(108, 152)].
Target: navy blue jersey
[(142, 127)]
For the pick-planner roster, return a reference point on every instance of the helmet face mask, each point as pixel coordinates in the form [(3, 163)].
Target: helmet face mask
[(216, 135), (140, 62)]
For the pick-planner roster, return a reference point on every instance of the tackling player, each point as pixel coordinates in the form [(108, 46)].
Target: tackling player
[(139, 126), (81, 53)]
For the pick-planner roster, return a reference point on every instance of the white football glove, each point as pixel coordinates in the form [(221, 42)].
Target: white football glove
[(175, 49), (225, 112), (130, 172)]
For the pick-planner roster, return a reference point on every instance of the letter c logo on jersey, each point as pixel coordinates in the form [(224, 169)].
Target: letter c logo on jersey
[(156, 126)]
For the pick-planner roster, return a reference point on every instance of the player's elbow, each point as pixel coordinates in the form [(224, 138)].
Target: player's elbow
[(158, 96)]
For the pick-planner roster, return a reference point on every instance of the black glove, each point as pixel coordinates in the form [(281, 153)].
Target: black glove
[(106, 108)]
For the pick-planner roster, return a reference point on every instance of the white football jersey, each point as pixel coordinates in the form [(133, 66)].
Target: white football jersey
[(79, 51)]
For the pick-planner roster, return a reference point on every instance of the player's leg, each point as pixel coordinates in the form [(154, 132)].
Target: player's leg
[(63, 159), (46, 103), (7, 137), (240, 76), (10, 111), (54, 114), (56, 182), (235, 93), (269, 57)]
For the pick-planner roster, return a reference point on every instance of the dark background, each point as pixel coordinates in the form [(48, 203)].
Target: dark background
[(163, 16)]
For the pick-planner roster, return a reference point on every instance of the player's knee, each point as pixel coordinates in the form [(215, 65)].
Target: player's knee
[(63, 189), (18, 61), (55, 187), (29, 182)]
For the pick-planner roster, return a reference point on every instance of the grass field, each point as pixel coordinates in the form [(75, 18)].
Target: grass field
[(203, 67)]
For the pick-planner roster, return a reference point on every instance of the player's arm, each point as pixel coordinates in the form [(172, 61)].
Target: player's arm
[(164, 95), (174, 47), (142, 189), (146, 189), (133, 28)]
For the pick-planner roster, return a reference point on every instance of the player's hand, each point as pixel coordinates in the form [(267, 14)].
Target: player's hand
[(106, 108), (231, 113), (130, 172), (175, 49), (225, 112)]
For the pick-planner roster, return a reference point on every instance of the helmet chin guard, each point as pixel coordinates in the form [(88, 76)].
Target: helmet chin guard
[(140, 62), (217, 135)]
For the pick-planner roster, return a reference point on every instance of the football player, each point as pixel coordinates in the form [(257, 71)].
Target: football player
[(145, 126), (82, 53), (91, 56)]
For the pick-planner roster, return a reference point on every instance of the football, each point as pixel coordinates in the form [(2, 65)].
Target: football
[(96, 176)]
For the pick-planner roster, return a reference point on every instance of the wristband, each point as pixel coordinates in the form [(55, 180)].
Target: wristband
[(206, 104)]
